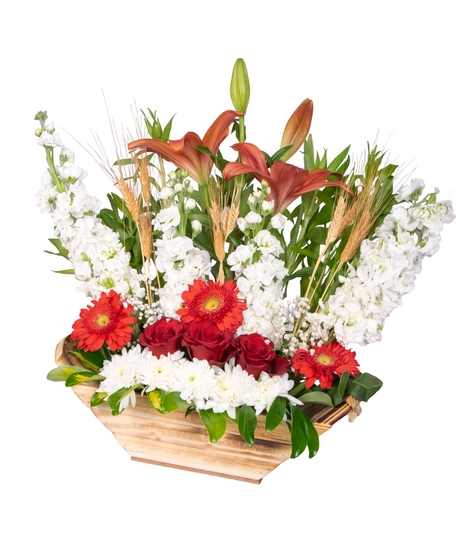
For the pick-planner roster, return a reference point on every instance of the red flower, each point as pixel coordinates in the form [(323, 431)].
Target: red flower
[(322, 362), (256, 355), (204, 340), (162, 337), (108, 320), (184, 154), (286, 181), (213, 302)]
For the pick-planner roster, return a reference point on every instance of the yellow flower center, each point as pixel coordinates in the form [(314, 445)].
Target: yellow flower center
[(103, 320), (212, 304), (325, 360)]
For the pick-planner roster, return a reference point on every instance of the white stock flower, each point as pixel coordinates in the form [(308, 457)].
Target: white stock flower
[(278, 221), (167, 218)]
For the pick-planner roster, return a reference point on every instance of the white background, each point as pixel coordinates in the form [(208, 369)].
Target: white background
[(383, 67)]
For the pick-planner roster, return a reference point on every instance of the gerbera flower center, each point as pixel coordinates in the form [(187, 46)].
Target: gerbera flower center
[(325, 359), (103, 320), (212, 304)]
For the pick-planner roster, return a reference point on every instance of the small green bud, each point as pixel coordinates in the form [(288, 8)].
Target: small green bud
[(240, 86)]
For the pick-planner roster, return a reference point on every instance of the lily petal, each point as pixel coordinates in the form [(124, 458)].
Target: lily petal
[(183, 152)]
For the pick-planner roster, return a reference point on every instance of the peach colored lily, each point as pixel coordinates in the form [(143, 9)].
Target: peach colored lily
[(286, 181), (183, 152)]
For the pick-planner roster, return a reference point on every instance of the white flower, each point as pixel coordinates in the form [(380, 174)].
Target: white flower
[(242, 224), (410, 192), (48, 139), (167, 218), (267, 243), (253, 219), (195, 380), (267, 206), (121, 372), (278, 221), (166, 193), (232, 385), (158, 372), (266, 389), (196, 227), (189, 204)]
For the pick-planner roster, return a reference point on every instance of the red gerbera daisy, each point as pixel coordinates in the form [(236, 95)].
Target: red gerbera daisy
[(108, 320), (322, 362), (213, 302)]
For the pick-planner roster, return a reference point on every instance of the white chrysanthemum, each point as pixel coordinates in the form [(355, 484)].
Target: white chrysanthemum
[(266, 389), (158, 372), (232, 386), (195, 380), (121, 372)]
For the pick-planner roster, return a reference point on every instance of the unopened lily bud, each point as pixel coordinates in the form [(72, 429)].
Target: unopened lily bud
[(240, 86), (297, 129)]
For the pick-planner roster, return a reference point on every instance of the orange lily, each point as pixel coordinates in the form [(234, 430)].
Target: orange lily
[(297, 129), (286, 181), (183, 152)]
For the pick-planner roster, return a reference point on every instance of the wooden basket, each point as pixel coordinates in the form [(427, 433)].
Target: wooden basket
[(173, 440)]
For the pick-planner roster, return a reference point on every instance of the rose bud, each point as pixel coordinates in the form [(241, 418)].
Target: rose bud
[(162, 337)]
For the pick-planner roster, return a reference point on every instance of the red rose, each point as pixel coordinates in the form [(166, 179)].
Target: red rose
[(256, 355), (204, 340), (162, 337)]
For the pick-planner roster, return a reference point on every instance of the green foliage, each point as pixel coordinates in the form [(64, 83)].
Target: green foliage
[(214, 423), (276, 413), (364, 386), (247, 422)]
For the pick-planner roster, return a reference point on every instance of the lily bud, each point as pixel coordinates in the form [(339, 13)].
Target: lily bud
[(240, 86), (297, 129)]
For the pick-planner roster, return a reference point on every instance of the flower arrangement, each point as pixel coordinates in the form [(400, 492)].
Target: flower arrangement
[(235, 287)]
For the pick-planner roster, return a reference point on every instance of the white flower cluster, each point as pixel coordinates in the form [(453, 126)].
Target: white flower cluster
[(259, 276), (199, 384), (179, 260), (386, 271), (98, 257)]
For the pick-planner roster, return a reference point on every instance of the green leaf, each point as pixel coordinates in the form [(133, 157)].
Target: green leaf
[(364, 386), (91, 359), (214, 423), (275, 414), (62, 373), (98, 398), (338, 160), (339, 390), (156, 399), (80, 377), (317, 397), (173, 401), (60, 248), (298, 432), (66, 272), (115, 398), (247, 422), (313, 440), (317, 235)]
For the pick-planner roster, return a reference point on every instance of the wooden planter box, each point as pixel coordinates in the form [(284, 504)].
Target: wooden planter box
[(172, 440)]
